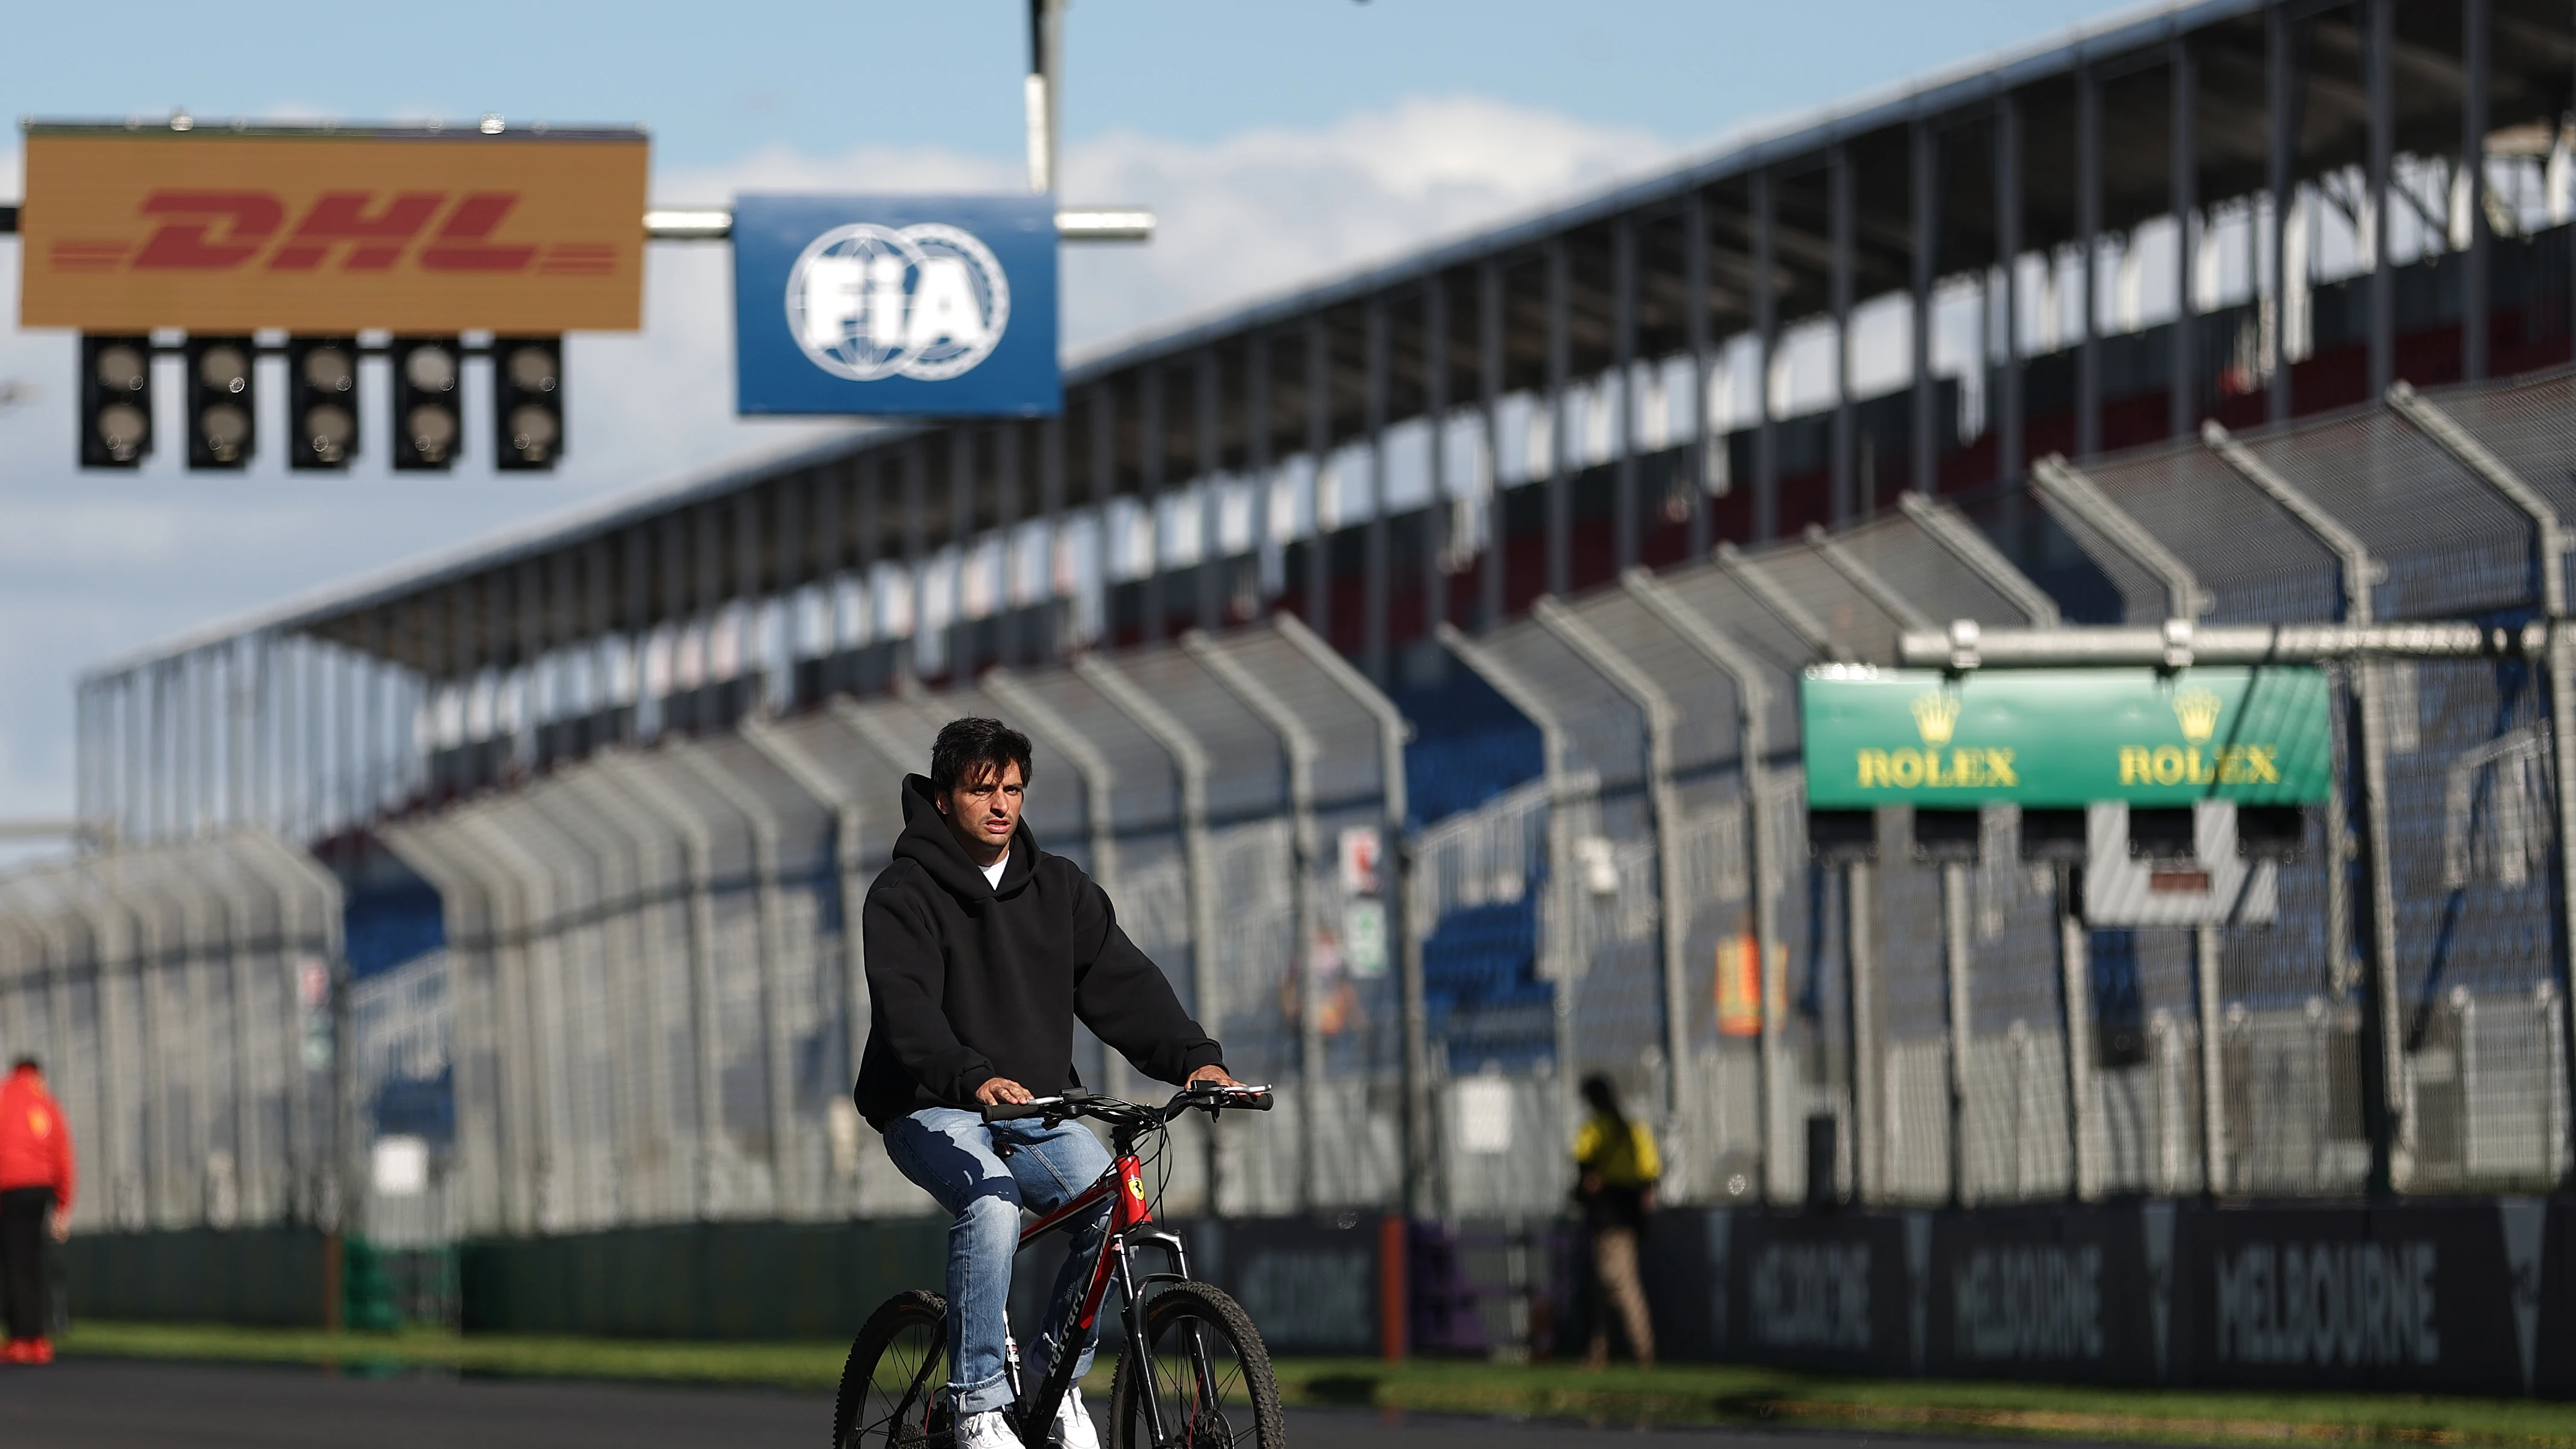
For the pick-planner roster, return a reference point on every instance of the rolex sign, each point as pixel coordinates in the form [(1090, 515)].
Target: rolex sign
[(922, 306)]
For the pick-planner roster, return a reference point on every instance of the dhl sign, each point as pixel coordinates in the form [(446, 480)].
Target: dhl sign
[(332, 232)]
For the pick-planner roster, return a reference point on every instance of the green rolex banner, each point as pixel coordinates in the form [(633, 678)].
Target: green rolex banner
[(2066, 737)]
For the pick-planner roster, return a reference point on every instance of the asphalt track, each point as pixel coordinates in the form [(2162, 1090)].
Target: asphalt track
[(114, 1404)]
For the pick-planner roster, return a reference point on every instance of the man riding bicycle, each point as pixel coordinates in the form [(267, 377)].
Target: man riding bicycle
[(982, 950)]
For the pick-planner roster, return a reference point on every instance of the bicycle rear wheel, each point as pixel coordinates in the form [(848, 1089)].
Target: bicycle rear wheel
[(1207, 1372), (889, 1395)]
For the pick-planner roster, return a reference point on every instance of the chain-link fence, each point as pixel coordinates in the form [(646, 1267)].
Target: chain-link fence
[(641, 991)]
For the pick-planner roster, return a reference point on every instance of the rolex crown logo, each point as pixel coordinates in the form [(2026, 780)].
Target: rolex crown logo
[(1936, 715), (2197, 710)]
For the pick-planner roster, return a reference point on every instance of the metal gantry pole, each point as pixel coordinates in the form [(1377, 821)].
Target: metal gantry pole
[(1256, 461), (1104, 492), (1056, 590), (1007, 465)]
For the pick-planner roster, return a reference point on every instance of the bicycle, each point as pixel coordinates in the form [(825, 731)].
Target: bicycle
[(1190, 1363)]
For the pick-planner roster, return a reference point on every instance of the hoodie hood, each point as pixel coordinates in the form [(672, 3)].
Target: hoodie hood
[(927, 842)]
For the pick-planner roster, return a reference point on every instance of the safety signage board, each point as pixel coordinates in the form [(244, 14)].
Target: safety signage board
[(333, 232), (2059, 738), (927, 306)]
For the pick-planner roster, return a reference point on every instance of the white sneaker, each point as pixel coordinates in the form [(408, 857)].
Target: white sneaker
[(990, 1429), (1073, 1427)]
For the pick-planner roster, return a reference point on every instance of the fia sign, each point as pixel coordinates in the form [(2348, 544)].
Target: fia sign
[(923, 306)]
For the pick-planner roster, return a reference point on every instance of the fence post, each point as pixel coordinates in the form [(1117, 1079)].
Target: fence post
[(1556, 956), (1587, 643), (1190, 759), (2550, 545), (1392, 731), (1305, 849), (2382, 1098), (1753, 749)]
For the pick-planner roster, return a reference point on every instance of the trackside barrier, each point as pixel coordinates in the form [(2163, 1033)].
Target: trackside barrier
[(2464, 1297)]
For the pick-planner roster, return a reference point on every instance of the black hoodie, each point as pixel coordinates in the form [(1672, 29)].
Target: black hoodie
[(968, 981)]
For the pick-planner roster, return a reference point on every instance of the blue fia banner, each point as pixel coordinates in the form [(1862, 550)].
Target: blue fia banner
[(924, 306)]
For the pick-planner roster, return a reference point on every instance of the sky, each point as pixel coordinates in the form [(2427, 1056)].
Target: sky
[(1279, 142)]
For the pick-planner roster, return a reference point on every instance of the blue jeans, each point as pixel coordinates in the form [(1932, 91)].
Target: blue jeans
[(949, 1154)]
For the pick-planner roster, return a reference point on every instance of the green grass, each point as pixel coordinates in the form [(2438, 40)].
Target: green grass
[(1675, 1394)]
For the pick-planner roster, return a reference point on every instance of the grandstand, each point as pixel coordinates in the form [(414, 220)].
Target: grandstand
[(1415, 658)]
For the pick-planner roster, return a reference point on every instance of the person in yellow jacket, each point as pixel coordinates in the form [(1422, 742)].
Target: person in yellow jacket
[(1616, 1169)]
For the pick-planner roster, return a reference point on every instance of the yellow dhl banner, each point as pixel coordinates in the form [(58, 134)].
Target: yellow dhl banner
[(330, 233)]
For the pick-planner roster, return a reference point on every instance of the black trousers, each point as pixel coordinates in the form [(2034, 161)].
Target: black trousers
[(23, 1212)]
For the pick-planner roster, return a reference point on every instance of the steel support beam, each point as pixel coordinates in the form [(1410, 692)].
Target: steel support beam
[(1211, 462), (1489, 384), (1375, 563), (1104, 490), (1962, 541), (2088, 236), (2177, 645), (1319, 447), (1780, 603), (1625, 511), (1560, 449), (1256, 451), (1923, 171), (2378, 59), (1695, 340), (2183, 168), (1839, 206), (1149, 495), (2010, 428), (1437, 506), (2281, 142), (1766, 336), (2477, 31)]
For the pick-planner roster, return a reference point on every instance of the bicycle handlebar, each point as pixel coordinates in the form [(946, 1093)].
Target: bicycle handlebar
[(1082, 1104)]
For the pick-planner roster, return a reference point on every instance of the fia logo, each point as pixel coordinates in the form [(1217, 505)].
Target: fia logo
[(869, 302)]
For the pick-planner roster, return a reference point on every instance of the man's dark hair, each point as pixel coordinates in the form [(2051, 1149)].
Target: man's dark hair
[(966, 747), (1603, 1095), (26, 1064)]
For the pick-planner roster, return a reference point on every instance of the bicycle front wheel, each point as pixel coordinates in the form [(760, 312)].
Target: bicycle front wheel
[(889, 1395), (1206, 1379)]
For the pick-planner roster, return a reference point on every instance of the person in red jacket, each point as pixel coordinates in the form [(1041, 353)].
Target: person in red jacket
[(35, 1193)]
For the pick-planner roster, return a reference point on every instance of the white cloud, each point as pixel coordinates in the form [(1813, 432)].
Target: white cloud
[(95, 565)]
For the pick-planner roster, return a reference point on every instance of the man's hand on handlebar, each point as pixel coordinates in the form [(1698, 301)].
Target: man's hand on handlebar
[(998, 1091), (1212, 1076)]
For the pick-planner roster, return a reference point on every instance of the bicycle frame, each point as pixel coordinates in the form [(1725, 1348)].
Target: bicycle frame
[(1123, 1187), (1131, 1226)]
